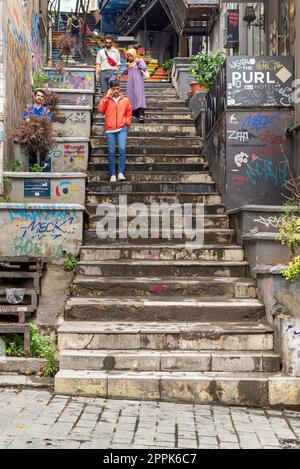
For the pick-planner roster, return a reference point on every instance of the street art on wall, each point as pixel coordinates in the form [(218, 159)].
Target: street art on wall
[(37, 56)]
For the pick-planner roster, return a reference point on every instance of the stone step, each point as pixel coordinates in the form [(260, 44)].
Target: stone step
[(169, 361), (172, 252), (260, 389), (226, 336), (128, 187), (153, 130), (162, 309), (211, 221), (155, 115), (155, 197), (154, 151), (153, 119), (161, 177), (146, 168), (177, 107), (223, 288), (155, 93), (163, 268), (162, 237), (165, 162), (215, 216), (144, 143)]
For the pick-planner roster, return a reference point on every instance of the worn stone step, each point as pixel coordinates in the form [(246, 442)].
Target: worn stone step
[(161, 177), (153, 130), (128, 187), (260, 389), (172, 252), (210, 221), (214, 214), (145, 143), (163, 268), (170, 361), (159, 161), (150, 92), (155, 197), (224, 336), (223, 288), (162, 309), (163, 237), (141, 168), (164, 151), (155, 116)]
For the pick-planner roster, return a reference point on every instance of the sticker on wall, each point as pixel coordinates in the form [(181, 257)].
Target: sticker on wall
[(64, 188)]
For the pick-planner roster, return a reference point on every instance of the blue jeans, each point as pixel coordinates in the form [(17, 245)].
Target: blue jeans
[(106, 77), (113, 139)]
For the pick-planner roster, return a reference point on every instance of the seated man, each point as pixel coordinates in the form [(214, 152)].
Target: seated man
[(37, 109)]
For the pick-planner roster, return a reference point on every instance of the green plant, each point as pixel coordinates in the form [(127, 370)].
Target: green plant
[(35, 137), (167, 65), (16, 166), (293, 271), (40, 347), (206, 65), (5, 197), (36, 168), (40, 79), (71, 263)]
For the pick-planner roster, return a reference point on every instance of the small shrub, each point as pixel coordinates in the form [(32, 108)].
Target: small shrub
[(293, 272), (51, 101), (16, 166), (40, 79), (65, 46), (40, 347), (35, 137), (70, 263), (36, 168), (5, 197)]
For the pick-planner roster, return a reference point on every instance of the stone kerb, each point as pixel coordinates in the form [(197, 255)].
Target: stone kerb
[(41, 230)]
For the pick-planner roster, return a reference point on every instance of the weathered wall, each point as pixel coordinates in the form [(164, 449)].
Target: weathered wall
[(23, 55)]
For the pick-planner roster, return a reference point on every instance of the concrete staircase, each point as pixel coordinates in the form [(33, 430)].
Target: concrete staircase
[(153, 318)]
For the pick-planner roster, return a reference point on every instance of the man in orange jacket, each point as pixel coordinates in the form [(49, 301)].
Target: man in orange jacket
[(118, 117)]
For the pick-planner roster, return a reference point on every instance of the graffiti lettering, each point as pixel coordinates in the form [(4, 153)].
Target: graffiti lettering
[(273, 221), (240, 135), (261, 170), (260, 121), (54, 230)]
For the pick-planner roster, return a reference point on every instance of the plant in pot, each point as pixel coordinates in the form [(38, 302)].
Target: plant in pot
[(204, 67)]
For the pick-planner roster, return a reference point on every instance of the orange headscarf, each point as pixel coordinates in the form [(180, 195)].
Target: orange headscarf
[(135, 56)]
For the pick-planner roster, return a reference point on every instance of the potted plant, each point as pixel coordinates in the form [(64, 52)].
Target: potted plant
[(204, 67)]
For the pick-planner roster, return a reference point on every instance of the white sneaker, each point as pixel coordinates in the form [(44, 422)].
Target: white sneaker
[(113, 179), (121, 177)]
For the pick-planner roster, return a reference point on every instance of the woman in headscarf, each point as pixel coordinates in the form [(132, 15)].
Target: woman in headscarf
[(136, 85)]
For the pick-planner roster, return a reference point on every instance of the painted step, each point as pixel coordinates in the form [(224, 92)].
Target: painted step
[(174, 252), (226, 336), (223, 288), (219, 388), (143, 144), (161, 177), (162, 237), (163, 268), (147, 187), (155, 197), (169, 361), (163, 151), (210, 221), (214, 215), (162, 309)]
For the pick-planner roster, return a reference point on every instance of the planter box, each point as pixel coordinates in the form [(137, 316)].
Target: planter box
[(73, 122), (49, 188), (72, 78), (75, 97), (42, 230), (181, 77), (67, 155)]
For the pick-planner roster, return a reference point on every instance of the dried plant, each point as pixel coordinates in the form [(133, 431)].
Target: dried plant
[(51, 101), (65, 46), (35, 137)]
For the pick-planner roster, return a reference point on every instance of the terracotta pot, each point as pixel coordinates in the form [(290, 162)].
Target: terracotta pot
[(196, 87)]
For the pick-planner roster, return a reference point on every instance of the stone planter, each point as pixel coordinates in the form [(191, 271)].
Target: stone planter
[(73, 122), (42, 230), (49, 188), (67, 155), (71, 78)]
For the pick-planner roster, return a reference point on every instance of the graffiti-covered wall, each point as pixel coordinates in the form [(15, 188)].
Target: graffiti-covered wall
[(23, 47)]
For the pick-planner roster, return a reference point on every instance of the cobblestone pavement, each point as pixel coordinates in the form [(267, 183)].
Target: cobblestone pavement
[(36, 419)]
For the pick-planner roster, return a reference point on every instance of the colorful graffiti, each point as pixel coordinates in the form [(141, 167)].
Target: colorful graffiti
[(37, 57)]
